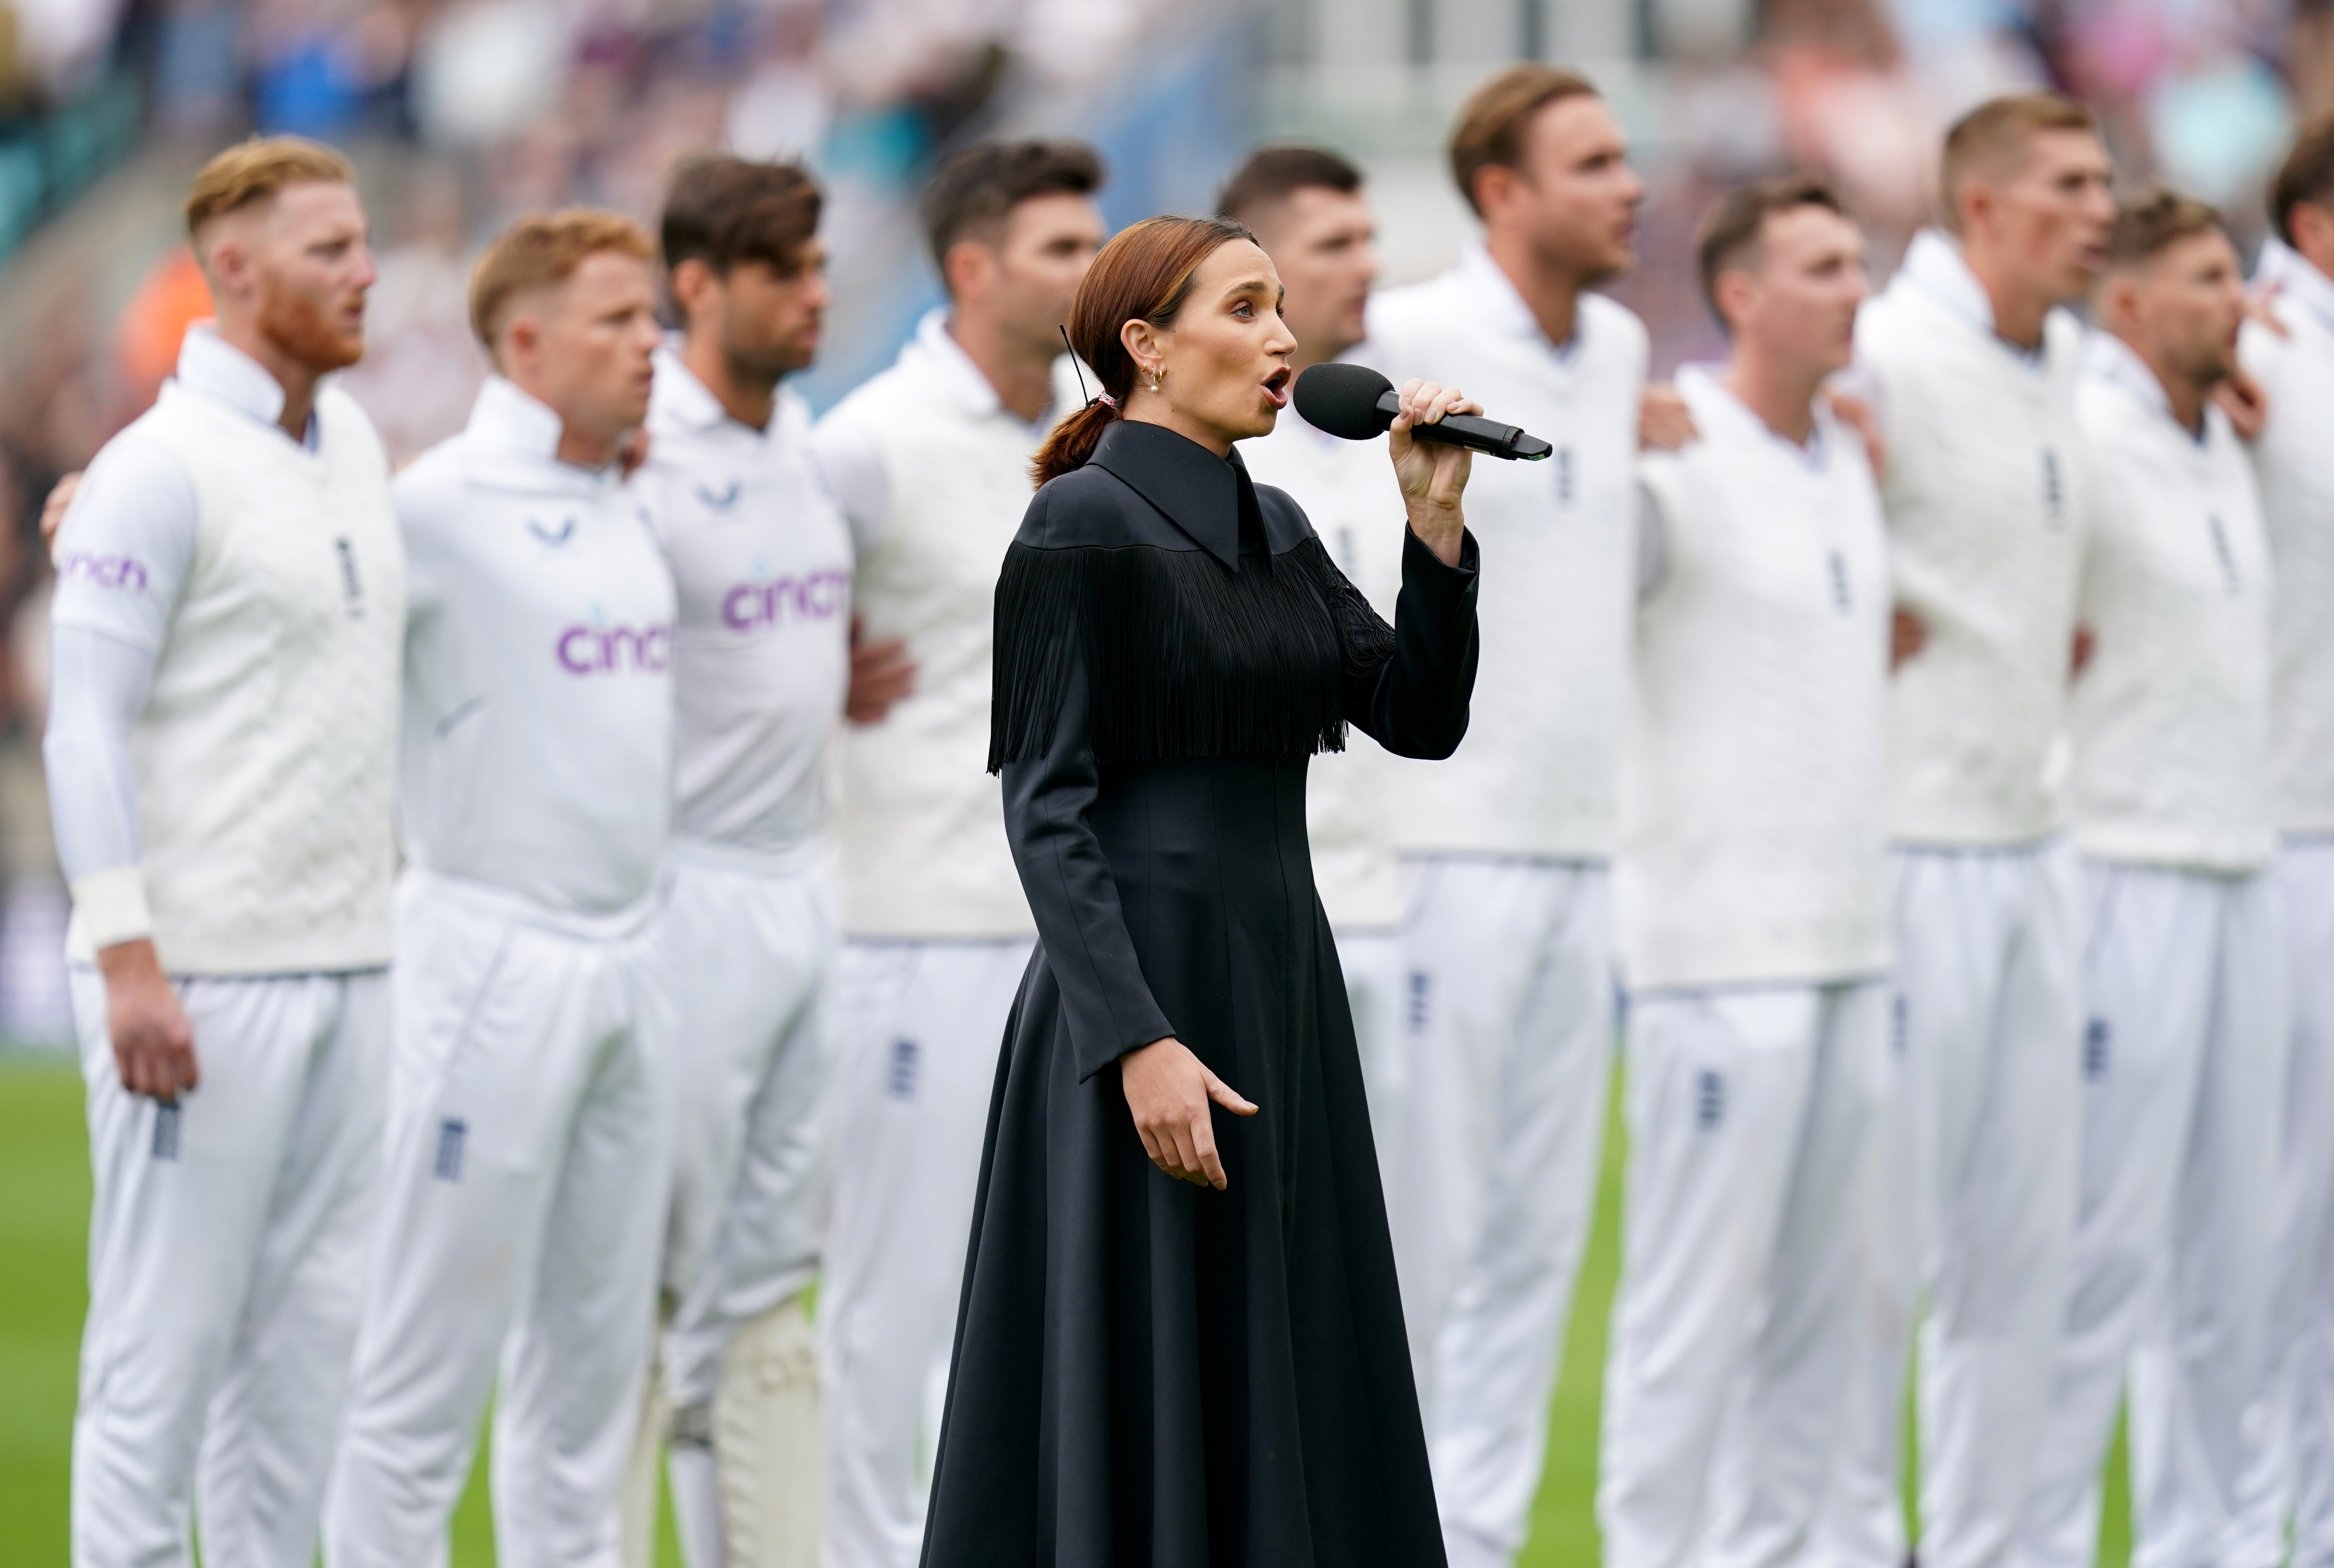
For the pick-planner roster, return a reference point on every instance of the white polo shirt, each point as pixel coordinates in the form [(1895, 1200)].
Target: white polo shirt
[(1983, 492), (1537, 773), (538, 756), (2171, 720), (933, 474), (761, 565), (2293, 460), (1348, 491), (1752, 836)]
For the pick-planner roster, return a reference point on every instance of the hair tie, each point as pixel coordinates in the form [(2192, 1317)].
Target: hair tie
[(1105, 399)]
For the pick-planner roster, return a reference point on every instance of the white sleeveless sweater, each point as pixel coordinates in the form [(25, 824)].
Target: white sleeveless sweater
[(1983, 496), (266, 758), (1752, 843), (919, 820)]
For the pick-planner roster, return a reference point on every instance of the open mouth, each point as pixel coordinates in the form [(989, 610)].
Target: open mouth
[(1276, 388)]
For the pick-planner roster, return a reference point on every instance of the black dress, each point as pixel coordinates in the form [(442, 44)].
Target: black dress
[(1147, 1371)]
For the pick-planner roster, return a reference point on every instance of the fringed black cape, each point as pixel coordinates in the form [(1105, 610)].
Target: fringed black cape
[(1149, 1373)]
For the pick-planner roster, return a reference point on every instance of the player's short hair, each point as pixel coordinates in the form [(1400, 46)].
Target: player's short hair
[(1995, 137), (1273, 174), (725, 210), (1732, 229), (977, 189), (254, 170), (1493, 120), (2307, 175), (2149, 222), (543, 249)]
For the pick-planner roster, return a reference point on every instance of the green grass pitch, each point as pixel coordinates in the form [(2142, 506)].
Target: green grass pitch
[(44, 1216)]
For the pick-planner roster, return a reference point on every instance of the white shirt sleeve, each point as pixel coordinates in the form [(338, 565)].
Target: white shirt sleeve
[(126, 544), (851, 461), (1653, 546), (98, 686), (122, 555)]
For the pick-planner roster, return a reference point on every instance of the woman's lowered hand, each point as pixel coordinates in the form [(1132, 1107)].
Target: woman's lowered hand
[(1169, 1091)]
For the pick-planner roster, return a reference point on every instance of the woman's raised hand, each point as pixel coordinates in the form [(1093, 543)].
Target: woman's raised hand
[(1169, 1091), (1432, 475)]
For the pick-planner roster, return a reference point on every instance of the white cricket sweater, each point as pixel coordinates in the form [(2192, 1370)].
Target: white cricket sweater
[(2293, 460), (933, 474), (761, 564), (262, 760), (1984, 494), (539, 689), (2171, 721), (1753, 775), (1537, 774), (1348, 491)]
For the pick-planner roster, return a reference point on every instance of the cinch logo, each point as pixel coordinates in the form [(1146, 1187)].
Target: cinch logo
[(606, 650), (817, 597), (105, 571)]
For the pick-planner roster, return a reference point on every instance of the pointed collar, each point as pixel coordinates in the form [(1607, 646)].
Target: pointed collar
[(215, 369), (1199, 491), (678, 394), (1504, 305), (2287, 274)]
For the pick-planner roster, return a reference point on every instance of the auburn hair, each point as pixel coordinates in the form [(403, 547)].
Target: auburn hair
[(1143, 274), (254, 170)]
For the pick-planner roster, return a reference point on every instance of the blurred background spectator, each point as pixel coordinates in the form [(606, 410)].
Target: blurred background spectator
[(461, 113)]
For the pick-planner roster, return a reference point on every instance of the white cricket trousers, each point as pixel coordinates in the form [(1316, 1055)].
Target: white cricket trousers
[(1749, 1113), (226, 1237), (528, 1152), (1372, 964), (750, 941), (1489, 1165), (2184, 1064), (1973, 1203), (921, 1027), (2292, 1429)]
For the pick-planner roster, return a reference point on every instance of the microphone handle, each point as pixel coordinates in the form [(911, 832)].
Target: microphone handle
[(1471, 431)]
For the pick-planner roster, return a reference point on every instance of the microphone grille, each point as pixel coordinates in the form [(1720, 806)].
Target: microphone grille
[(1342, 400)]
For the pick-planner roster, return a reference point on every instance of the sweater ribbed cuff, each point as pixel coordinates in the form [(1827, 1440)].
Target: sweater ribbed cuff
[(112, 904)]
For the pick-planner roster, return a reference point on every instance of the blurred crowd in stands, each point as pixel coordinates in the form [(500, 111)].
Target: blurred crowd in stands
[(464, 112)]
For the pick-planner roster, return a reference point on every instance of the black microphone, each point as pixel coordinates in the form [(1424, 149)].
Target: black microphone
[(1357, 403)]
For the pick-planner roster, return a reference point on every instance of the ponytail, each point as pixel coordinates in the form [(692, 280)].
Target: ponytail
[(1073, 441), (1145, 274)]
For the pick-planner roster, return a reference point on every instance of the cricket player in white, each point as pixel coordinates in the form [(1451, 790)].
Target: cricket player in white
[(761, 562), (1752, 900), (1970, 368), (222, 736), (1508, 1010), (930, 461), (2293, 364), (1306, 209), (531, 1110), (2183, 1052)]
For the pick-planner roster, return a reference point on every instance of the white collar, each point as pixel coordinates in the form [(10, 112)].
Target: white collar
[(1487, 283), (2115, 361), (1935, 261), (211, 367), (2289, 275), (1715, 402), (505, 422), (967, 381), (680, 395)]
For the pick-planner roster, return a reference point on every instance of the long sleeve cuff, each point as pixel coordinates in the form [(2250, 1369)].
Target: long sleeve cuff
[(112, 904), (1423, 570)]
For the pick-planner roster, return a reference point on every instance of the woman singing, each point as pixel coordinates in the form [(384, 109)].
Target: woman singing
[(1180, 1343)]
